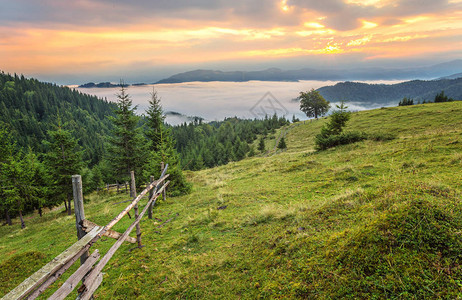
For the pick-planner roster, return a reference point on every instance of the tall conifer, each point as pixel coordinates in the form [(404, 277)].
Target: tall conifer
[(63, 159), (127, 146), (162, 147)]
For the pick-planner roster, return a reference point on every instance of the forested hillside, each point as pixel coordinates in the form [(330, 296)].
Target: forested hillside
[(50, 132), (31, 108), (419, 90), (206, 145)]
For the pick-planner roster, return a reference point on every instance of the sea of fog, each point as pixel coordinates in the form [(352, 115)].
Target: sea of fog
[(218, 100)]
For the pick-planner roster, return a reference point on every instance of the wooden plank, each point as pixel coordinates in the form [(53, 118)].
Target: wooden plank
[(56, 275), (135, 208), (49, 269), (87, 293), (151, 193), (88, 225), (72, 282), (79, 211), (164, 193), (134, 202)]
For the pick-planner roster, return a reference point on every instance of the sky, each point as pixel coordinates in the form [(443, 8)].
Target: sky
[(73, 42)]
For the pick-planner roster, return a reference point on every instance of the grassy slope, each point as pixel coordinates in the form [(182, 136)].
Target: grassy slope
[(373, 218)]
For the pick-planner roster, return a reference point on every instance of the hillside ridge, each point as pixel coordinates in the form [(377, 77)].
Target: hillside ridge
[(419, 90)]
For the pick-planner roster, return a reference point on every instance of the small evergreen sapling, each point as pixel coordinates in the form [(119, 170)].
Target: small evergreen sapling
[(261, 145), (282, 144)]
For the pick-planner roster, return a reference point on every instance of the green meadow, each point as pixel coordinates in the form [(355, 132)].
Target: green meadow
[(373, 219)]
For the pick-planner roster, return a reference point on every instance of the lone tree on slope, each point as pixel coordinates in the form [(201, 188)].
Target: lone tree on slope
[(282, 144), (261, 145), (313, 104)]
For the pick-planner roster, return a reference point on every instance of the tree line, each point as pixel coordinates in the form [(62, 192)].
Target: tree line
[(75, 134), (439, 98), (49, 132), (31, 108), (205, 145)]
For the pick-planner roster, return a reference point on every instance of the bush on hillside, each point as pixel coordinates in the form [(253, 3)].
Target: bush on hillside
[(324, 142), (332, 133)]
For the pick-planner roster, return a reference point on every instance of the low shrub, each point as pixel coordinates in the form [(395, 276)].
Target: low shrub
[(324, 142)]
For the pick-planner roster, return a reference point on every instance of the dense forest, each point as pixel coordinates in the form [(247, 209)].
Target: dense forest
[(419, 90), (31, 108), (50, 132), (206, 145)]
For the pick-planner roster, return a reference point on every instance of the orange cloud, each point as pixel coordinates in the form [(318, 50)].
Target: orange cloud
[(29, 48)]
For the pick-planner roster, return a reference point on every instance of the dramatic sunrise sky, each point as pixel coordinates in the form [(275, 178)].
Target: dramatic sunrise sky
[(147, 40)]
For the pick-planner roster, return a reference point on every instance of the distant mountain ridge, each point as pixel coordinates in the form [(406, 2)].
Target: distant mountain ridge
[(418, 90), (107, 84), (453, 76), (275, 74)]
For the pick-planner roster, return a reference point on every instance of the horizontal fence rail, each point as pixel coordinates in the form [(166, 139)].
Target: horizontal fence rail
[(88, 233)]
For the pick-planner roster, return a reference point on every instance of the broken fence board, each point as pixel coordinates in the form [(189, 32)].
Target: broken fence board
[(92, 288), (49, 269), (89, 225)]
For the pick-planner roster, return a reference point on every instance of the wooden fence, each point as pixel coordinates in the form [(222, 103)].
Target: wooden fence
[(88, 233)]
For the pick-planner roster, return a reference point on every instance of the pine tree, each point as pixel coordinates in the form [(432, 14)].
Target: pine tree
[(261, 145), (63, 159), (163, 150), (406, 101), (127, 147), (7, 147), (251, 151), (282, 144), (156, 131), (441, 97), (338, 120)]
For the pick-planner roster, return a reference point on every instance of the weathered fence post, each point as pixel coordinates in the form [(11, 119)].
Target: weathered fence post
[(135, 208), (79, 211), (151, 193), (164, 193)]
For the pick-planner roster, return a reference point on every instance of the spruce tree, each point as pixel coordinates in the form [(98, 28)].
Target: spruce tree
[(63, 159), (127, 147), (282, 144), (7, 148), (162, 148), (251, 151), (261, 145), (156, 131)]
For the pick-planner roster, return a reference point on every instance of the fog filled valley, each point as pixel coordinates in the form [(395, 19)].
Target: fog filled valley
[(214, 101)]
